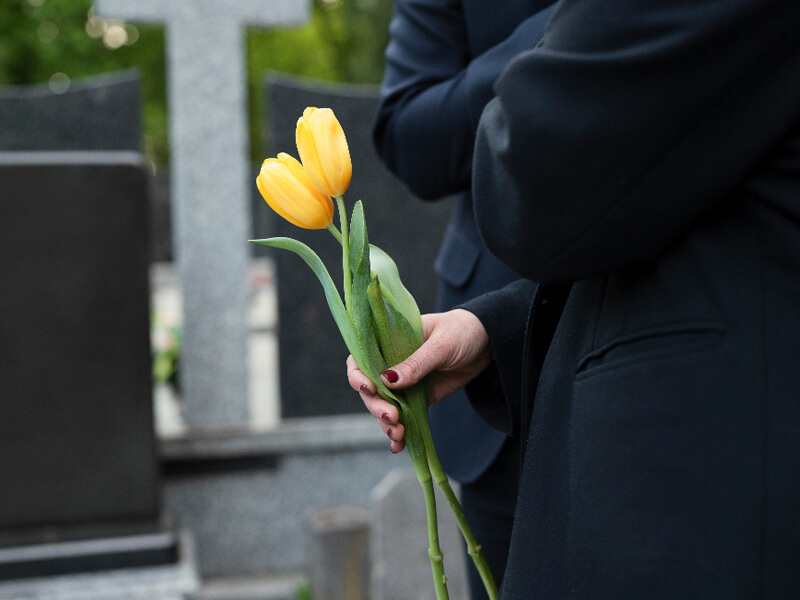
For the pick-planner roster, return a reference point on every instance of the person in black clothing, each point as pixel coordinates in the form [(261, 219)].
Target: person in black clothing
[(642, 165), (441, 62)]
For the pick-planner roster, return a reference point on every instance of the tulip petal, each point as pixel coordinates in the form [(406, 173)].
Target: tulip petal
[(274, 205), (301, 175), (332, 150), (286, 188), (323, 149), (307, 149)]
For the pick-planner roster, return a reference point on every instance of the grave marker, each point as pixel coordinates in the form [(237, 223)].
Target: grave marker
[(399, 542), (95, 113), (211, 184), (76, 417)]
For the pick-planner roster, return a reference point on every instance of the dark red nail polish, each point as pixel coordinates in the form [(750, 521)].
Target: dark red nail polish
[(389, 433), (391, 376), (364, 389), (385, 418)]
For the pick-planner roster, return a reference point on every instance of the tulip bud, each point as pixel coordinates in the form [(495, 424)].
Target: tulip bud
[(323, 150), (286, 187)]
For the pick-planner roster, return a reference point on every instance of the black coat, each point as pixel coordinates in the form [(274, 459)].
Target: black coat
[(648, 153), (441, 63)]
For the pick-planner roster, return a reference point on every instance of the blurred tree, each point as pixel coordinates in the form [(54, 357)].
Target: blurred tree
[(55, 41), (343, 42), (52, 41)]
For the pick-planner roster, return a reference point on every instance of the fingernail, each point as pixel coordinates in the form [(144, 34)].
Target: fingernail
[(393, 451), (390, 376), (389, 433), (364, 389), (385, 418)]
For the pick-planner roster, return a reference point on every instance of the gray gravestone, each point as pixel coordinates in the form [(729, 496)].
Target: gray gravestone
[(76, 417), (339, 556), (101, 112), (399, 542), (210, 187), (312, 353), (95, 113)]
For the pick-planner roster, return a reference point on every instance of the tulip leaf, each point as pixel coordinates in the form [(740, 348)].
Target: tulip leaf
[(393, 290), (396, 337), (371, 363), (397, 340), (331, 293), (362, 313), (359, 333), (358, 237)]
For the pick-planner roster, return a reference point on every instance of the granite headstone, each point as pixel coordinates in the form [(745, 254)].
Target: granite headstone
[(312, 353), (100, 112), (94, 113), (210, 188), (76, 417), (339, 554), (399, 541)]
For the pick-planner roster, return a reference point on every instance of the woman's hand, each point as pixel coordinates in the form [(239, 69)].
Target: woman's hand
[(455, 351)]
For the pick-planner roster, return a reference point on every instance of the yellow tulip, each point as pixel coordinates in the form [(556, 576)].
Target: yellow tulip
[(286, 187), (323, 151)]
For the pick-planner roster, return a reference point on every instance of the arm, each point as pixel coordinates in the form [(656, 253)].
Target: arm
[(629, 123), (433, 93)]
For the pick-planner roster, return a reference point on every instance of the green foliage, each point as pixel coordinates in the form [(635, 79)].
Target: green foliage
[(166, 340), (39, 38), (344, 41), (303, 591)]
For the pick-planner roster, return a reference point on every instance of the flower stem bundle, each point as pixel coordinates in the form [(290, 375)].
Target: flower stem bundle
[(379, 319)]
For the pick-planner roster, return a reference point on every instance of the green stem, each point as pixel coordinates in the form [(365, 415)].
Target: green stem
[(415, 446), (345, 240), (440, 477), (335, 232)]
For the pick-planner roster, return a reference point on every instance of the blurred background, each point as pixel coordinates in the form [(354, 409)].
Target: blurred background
[(175, 421), (53, 42)]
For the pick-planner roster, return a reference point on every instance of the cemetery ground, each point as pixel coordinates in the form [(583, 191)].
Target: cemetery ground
[(208, 497), (381, 536), (282, 509)]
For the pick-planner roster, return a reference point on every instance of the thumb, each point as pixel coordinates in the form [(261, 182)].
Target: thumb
[(425, 359)]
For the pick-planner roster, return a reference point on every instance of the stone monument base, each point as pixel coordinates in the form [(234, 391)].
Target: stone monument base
[(97, 547), (176, 580)]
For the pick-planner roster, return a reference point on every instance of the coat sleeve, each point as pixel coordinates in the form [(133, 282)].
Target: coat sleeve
[(629, 123), (496, 393), (433, 93)]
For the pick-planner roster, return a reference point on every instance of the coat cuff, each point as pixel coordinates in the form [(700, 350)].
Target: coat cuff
[(496, 393)]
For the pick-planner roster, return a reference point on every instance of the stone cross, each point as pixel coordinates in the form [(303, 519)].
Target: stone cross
[(211, 184)]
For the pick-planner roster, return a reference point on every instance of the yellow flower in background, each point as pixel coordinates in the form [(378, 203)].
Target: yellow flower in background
[(323, 151), (286, 187)]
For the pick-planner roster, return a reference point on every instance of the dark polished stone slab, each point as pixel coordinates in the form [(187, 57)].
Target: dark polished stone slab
[(95, 113), (91, 554), (76, 418)]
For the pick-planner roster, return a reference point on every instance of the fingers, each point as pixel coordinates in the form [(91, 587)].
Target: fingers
[(386, 413), (357, 380)]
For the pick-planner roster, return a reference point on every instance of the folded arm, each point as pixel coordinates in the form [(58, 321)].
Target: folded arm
[(433, 93), (630, 122)]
